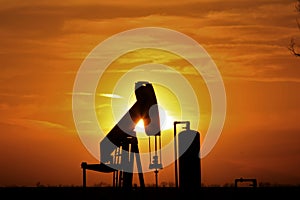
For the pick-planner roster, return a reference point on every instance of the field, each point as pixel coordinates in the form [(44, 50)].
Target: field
[(151, 193)]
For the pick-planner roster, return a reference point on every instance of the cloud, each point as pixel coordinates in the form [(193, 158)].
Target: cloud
[(80, 93), (18, 95), (114, 96), (35, 124), (48, 19)]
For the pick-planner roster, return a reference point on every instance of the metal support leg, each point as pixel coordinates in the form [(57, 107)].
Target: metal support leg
[(83, 166)]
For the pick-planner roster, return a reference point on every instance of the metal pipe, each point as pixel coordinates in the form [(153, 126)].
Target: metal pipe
[(160, 156), (156, 178), (149, 145), (175, 147), (175, 156), (83, 166)]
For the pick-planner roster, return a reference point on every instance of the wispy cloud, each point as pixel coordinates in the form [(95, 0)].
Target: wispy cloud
[(18, 95), (36, 124), (80, 93), (114, 96), (50, 18), (108, 95)]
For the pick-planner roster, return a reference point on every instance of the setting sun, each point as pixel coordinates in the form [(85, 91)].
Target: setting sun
[(180, 106)]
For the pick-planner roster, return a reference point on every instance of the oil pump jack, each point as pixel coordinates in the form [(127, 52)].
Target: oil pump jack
[(120, 146)]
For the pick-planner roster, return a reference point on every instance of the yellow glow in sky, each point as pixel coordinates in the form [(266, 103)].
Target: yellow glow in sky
[(171, 107)]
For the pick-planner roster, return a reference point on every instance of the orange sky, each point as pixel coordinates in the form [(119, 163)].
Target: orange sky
[(44, 43)]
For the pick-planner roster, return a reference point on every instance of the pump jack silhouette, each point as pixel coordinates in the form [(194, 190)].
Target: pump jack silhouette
[(118, 148)]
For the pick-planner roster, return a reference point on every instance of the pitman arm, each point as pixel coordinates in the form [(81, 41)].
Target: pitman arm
[(145, 108)]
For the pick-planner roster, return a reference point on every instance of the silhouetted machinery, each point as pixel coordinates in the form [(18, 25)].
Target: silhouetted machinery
[(241, 180), (118, 148), (189, 157)]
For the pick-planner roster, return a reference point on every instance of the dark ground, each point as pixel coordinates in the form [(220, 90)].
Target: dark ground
[(149, 193)]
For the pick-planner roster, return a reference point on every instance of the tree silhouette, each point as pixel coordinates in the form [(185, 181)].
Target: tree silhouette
[(293, 47)]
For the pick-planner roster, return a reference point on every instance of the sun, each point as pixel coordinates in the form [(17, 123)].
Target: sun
[(140, 125), (176, 102), (166, 121)]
